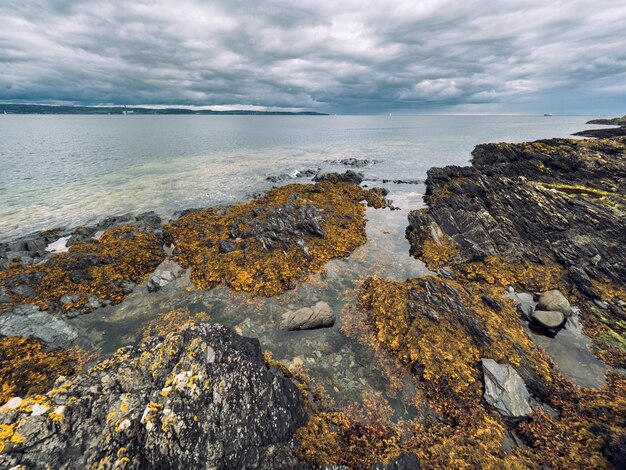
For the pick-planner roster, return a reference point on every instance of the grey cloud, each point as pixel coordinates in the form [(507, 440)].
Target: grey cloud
[(350, 56)]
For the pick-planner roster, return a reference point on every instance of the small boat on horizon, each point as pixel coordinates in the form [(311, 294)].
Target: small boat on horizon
[(547, 114)]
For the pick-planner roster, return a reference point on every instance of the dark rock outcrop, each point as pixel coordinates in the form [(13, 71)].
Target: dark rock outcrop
[(560, 200), (606, 133), (199, 398), (347, 177)]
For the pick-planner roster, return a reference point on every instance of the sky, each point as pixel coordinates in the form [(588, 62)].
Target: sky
[(335, 56)]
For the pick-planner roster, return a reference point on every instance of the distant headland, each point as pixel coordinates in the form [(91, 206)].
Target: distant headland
[(8, 108)]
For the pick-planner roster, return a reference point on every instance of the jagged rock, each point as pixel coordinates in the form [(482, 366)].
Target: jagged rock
[(42, 245), (549, 319), (280, 225), (504, 205), (167, 271), (505, 390), (199, 398), (292, 175), (29, 322), (347, 177), (554, 300), (319, 315)]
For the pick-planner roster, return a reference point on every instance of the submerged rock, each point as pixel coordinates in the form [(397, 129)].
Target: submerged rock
[(199, 398), (505, 390), (308, 318), (355, 162)]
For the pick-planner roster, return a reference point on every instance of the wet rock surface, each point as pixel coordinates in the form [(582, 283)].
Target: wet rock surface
[(268, 244), (29, 322), (199, 398), (40, 246)]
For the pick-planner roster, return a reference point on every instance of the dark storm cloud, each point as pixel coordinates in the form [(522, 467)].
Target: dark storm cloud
[(348, 56)]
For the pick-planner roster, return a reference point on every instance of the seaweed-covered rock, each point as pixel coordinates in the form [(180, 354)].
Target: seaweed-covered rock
[(202, 397), (42, 245), (269, 243), (91, 274), (557, 202)]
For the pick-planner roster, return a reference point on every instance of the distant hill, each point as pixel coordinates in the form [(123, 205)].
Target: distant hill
[(45, 109)]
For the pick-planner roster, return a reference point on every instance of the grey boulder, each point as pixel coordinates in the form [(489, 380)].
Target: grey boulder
[(554, 300), (307, 318), (505, 390), (549, 319)]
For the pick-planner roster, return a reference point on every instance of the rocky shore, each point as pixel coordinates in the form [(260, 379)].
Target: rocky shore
[(606, 133), (528, 240)]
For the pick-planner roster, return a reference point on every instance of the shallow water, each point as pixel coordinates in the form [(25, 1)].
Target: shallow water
[(68, 170)]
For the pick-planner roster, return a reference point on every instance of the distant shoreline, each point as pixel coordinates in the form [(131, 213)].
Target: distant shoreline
[(120, 110)]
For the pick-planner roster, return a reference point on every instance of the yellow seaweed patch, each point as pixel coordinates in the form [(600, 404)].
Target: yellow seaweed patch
[(174, 320), (528, 276), (252, 266), (121, 254), (25, 368)]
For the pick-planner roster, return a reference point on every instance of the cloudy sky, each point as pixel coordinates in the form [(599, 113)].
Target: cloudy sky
[(348, 56)]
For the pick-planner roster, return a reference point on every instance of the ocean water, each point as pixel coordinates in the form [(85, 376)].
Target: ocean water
[(70, 170)]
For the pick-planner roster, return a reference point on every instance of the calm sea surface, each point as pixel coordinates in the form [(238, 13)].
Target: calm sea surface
[(69, 170)]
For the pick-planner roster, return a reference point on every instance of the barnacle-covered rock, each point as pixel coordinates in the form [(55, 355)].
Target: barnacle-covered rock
[(202, 397)]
